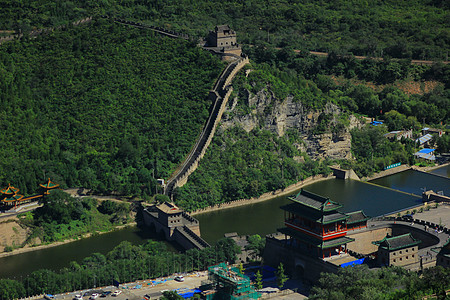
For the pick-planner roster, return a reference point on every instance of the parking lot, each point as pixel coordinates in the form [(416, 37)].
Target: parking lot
[(137, 290)]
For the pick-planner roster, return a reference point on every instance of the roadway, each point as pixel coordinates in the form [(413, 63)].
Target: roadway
[(192, 280)]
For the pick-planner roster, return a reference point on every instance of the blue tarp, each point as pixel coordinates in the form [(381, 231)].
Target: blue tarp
[(267, 272), (159, 281), (353, 263), (426, 150), (189, 293)]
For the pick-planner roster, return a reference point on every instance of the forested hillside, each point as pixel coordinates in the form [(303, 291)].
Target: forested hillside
[(247, 163), (111, 108), (101, 106), (401, 29)]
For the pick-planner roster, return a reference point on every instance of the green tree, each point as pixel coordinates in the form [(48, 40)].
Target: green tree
[(258, 280), (281, 276), (11, 289), (171, 295), (241, 268), (257, 244)]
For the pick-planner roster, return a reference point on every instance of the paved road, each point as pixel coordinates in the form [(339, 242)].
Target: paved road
[(191, 281), (26, 207)]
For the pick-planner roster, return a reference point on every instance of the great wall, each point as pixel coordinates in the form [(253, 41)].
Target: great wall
[(220, 94), (37, 32)]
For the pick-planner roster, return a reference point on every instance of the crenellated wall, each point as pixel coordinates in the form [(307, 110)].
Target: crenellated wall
[(220, 94), (35, 33)]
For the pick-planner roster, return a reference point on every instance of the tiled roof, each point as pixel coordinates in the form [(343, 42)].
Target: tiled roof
[(10, 190), (333, 218), (14, 198), (222, 28), (356, 217), (445, 250), (424, 139), (427, 154), (49, 185), (315, 201), (314, 215), (398, 242), (336, 242), (315, 242), (169, 208)]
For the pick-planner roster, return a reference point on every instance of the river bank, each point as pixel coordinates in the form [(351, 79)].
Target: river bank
[(29, 248), (402, 168), (297, 186), (389, 172), (264, 197)]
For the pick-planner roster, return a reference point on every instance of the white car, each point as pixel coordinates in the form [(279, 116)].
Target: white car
[(78, 297), (116, 293), (94, 296), (179, 278)]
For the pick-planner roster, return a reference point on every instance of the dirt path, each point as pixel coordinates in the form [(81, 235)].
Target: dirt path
[(75, 192)]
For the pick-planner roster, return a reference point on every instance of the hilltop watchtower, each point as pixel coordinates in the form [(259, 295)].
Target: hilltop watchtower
[(223, 40)]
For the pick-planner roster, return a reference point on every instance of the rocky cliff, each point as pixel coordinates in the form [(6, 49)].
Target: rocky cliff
[(263, 110)]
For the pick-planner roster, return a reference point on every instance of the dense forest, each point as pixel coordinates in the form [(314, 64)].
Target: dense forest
[(241, 164), (125, 263), (101, 106), (401, 29), (150, 92), (385, 283)]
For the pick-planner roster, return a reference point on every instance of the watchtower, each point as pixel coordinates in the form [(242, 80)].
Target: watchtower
[(223, 39)]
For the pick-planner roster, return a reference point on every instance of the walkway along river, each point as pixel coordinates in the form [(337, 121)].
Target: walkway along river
[(259, 218)]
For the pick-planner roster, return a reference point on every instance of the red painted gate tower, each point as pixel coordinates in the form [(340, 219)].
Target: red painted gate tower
[(315, 225)]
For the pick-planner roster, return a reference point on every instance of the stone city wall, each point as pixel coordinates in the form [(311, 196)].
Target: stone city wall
[(219, 95)]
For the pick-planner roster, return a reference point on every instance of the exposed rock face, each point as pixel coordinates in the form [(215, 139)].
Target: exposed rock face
[(12, 234), (264, 111)]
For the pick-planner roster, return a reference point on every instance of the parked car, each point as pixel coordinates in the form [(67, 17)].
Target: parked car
[(94, 296), (116, 293), (49, 297), (104, 294), (179, 278), (78, 297)]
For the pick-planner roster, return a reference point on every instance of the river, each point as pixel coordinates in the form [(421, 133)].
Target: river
[(260, 218), (58, 257), (265, 217), (442, 171), (416, 182)]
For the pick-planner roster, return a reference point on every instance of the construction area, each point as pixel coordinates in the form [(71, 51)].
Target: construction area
[(226, 282)]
